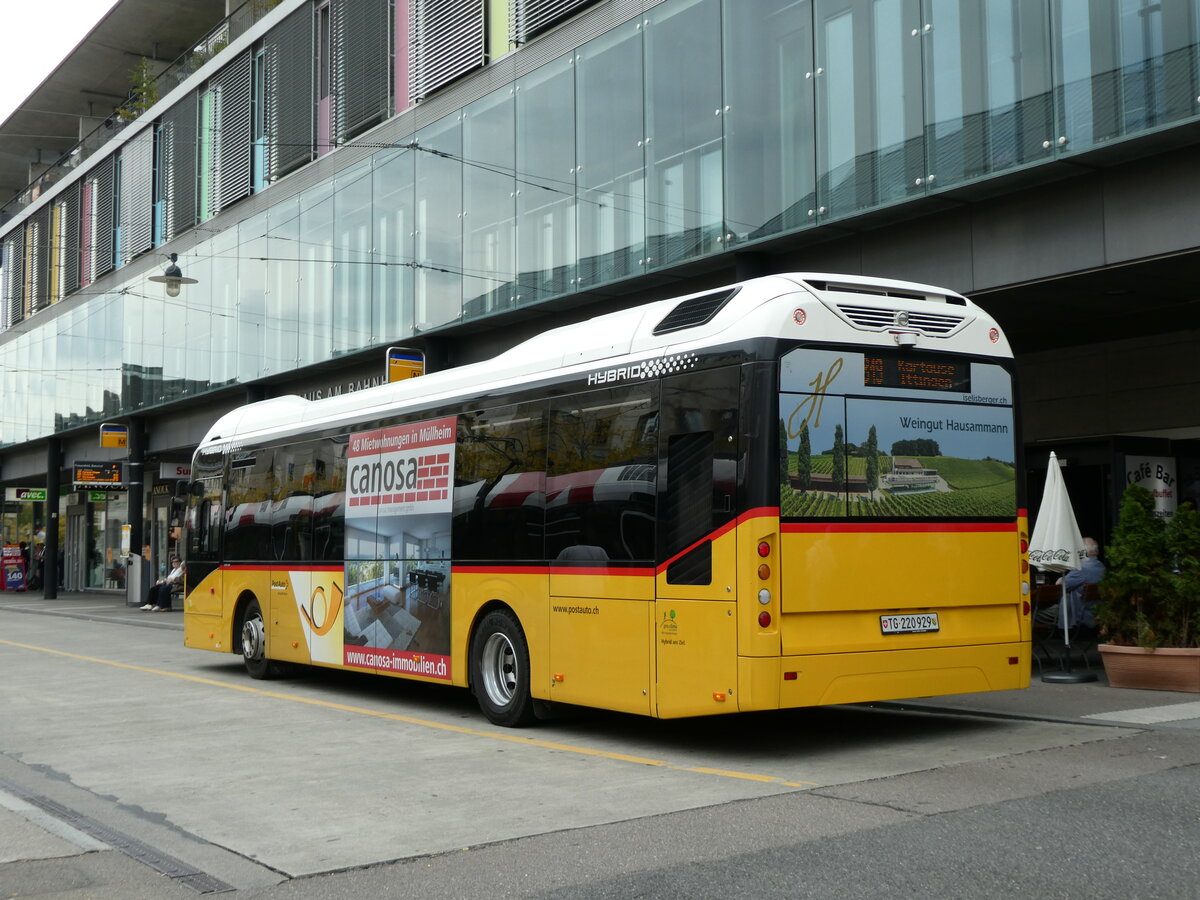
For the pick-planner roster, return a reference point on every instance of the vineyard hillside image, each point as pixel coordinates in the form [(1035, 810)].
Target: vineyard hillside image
[(898, 487)]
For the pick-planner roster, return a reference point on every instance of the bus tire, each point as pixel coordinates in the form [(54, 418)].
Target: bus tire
[(254, 643), (500, 669)]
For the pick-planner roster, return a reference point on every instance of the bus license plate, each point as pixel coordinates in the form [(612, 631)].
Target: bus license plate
[(911, 623)]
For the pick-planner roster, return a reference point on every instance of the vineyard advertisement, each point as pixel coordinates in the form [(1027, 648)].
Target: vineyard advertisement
[(877, 457), (399, 492)]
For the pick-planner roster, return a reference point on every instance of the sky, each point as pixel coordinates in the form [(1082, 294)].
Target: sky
[(34, 39)]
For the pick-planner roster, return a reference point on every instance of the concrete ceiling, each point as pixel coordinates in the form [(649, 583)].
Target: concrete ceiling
[(94, 79)]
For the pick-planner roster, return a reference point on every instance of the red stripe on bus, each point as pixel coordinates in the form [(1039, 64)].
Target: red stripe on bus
[(500, 570), (291, 567), (549, 570), (758, 513), (894, 527)]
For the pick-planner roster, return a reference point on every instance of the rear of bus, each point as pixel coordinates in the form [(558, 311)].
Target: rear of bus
[(899, 561)]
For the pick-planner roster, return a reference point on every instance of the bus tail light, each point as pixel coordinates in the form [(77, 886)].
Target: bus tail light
[(764, 619), (764, 596), (764, 572), (764, 549)]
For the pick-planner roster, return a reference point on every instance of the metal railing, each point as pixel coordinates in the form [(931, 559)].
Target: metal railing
[(125, 114)]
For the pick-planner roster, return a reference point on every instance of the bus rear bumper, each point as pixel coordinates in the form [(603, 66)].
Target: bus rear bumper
[(823, 679)]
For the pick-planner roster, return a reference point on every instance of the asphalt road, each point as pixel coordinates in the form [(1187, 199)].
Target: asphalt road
[(131, 767)]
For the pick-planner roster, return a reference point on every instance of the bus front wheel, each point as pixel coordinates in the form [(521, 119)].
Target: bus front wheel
[(254, 642), (500, 669)]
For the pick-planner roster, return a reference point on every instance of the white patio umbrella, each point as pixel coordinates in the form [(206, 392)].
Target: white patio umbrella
[(1057, 546)]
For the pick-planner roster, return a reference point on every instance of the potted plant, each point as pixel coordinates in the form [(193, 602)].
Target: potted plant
[(1150, 612)]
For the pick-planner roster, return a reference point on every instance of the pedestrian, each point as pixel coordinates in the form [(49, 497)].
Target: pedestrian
[(159, 599)]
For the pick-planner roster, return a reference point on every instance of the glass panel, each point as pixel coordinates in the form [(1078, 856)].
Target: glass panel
[(601, 476), (683, 128), (315, 288), (153, 328), (198, 363), (987, 81), (394, 225), (1122, 66), (135, 362), (281, 345), (546, 181), (224, 296), (869, 103), (770, 167), (352, 251), (439, 245), (252, 287), (500, 484), (610, 169), (489, 198), (175, 339)]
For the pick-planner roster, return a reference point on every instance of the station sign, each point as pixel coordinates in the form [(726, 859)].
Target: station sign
[(403, 363), (25, 495), (174, 470), (96, 473), (113, 434)]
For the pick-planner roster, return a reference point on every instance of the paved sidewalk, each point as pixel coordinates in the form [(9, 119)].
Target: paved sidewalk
[(1093, 703)]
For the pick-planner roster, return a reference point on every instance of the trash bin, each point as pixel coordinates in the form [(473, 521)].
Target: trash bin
[(139, 575)]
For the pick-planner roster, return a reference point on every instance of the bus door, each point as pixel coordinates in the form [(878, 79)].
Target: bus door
[(695, 633), (205, 527), (600, 526)]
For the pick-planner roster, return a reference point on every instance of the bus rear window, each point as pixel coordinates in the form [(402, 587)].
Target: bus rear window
[(920, 455)]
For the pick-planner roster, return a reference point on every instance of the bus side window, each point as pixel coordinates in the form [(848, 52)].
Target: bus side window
[(601, 475), (500, 483), (329, 500), (688, 506)]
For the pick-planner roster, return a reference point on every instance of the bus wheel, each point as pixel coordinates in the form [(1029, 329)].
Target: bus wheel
[(500, 669), (254, 642)]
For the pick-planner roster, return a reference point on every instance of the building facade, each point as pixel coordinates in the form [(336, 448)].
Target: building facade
[(341, 176)]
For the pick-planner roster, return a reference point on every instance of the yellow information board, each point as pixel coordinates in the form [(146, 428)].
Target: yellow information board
[(114, 435), (403, 363)]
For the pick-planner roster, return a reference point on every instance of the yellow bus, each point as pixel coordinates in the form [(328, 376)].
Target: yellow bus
[(802, 489)]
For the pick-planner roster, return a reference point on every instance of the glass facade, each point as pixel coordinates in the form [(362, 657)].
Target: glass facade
[(697, 128)]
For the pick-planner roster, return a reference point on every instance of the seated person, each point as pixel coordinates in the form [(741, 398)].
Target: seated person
[(159, 598), (1091, 572)]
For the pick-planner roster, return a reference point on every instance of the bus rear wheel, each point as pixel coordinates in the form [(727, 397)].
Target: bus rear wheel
[(500, 669), (254, 643)]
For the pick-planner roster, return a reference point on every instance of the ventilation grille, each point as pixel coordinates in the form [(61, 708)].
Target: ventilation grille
[(362, 76), (137, 171), (696, 311), (529, 17), (875, 318), (14, 277), (102, 220), (232, 133), (178, 137), (447, 40), (289, 100), (72, 236)]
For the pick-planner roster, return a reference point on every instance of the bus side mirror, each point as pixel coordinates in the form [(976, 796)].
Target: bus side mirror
[(182, 489)]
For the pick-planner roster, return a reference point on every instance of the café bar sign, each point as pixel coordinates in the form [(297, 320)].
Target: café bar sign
[(25, 495), (93, 474)]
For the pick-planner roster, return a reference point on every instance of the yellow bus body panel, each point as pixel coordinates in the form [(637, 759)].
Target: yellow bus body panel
[(603, 640), (600, 653), (697, 657), (898, 674), (525, 594)]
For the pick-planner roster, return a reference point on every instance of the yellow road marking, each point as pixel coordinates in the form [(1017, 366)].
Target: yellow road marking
[(424, 723)]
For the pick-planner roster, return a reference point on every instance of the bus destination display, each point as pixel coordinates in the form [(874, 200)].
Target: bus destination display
[(916, 374)]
